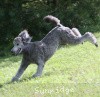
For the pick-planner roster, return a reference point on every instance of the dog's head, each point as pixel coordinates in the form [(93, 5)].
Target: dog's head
[(18, 46), (20, 41)]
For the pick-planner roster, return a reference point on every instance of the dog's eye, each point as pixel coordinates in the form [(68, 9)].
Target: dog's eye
[(17, 44)]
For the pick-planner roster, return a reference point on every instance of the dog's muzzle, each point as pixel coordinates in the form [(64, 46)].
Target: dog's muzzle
[(16, 51)]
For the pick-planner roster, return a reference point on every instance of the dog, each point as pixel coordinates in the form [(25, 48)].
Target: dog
[(39, 52)]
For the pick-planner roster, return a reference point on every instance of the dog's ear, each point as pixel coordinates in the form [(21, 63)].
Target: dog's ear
[(25, 36), (28, 40)]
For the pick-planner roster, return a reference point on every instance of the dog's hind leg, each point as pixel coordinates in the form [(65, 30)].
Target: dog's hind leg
[(88, 36), (39, 69), (76, 32), (21, 69)]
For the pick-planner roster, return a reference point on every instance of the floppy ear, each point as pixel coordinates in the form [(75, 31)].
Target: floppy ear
[(25, 36), (28, 40)]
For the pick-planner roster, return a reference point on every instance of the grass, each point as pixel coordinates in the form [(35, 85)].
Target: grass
[(73, 71)]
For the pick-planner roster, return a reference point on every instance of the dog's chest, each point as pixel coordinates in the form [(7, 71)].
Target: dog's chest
[(34, 52)]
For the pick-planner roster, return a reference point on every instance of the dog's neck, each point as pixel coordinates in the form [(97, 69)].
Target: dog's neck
[(24, 48)]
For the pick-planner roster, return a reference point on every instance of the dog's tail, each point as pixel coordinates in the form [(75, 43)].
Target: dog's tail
[(51, 19)]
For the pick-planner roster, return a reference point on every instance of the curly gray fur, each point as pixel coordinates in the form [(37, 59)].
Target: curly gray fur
[(51, 19)]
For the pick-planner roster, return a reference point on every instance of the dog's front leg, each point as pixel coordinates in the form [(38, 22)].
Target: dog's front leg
[(39, 68), (21, 69)]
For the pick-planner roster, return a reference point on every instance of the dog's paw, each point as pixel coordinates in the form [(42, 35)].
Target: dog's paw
[(14, 79), (36, 75), (96, 44)]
